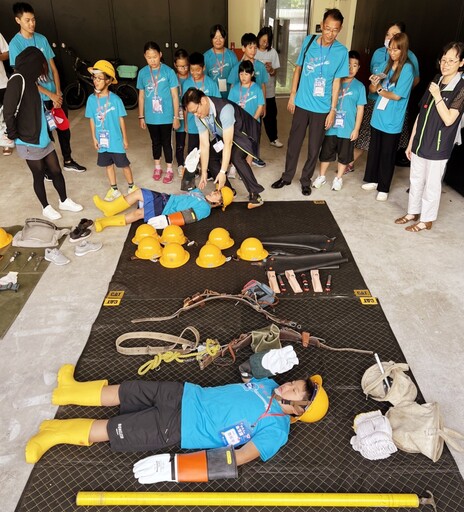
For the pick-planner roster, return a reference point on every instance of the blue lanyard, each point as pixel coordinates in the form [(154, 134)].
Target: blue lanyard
[(323, 57)]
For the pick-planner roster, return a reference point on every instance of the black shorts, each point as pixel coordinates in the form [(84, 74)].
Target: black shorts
[(333, 146), (149, 416), (106, 159)]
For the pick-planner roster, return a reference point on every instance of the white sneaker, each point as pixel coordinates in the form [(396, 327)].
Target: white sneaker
[(232, 172), (70, 206), (51, 213), (382, 196), (319, 181), (56, 256), (132, 188), (277, 144), (85, 247), (337, 183), (369, 186)]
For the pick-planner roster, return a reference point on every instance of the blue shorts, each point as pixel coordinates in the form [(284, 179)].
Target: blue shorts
[(106, 159), (153, 203)]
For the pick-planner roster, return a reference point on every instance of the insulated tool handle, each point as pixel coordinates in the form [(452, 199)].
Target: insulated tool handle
[(304, 280), (293, 282), (271, 275), (316, 281), (282, 285), (328, 284)]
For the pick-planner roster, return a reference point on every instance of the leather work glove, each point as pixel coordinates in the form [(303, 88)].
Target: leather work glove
[(159, 222), (280, 360), (191, 162), (153, 469)]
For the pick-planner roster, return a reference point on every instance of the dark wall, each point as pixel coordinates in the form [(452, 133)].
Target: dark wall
[(109, 29)]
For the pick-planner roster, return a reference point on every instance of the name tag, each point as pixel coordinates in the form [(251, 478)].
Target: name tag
[(234, 435), (218, 146), (157, 104), (50, 120), (222, 83), (319, 87), (104, 139), (339, 119), (382, 105)]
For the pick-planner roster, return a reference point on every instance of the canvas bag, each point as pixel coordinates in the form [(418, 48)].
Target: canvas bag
[(39, 233), (402, 388), (266, 338), (419, 429)]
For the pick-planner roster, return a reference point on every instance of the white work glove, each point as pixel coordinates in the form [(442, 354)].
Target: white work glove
[(373, 437), (280, 360), (159, 222), (191, 162), (11, 277), (153, 469)]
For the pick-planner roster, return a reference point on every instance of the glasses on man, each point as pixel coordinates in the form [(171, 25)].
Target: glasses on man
[(329, 30), (449, 62), (98, 78)]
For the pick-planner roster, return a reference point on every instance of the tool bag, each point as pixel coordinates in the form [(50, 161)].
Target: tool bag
[(38, 233), (402, 388), (266, 338), (419, 429)]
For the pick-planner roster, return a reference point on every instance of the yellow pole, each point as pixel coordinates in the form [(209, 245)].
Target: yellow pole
[(246, 499)]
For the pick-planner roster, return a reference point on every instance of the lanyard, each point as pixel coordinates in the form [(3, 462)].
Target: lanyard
[(220, 65), (244, 98), (155, 80), (323, 57), (266, 413), (344, 93), (103, 114), (202, 87)]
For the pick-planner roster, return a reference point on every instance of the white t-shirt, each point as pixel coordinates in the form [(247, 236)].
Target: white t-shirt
[(3, 77), (273, 57)]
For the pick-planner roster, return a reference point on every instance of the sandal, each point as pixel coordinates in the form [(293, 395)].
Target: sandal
[(85, 223), (420, 226), (404, 219)]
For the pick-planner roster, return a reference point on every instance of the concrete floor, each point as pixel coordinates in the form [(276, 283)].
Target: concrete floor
[(417, 278)]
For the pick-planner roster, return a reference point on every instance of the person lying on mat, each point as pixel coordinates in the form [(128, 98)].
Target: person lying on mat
[(159, 209), (254, 416)]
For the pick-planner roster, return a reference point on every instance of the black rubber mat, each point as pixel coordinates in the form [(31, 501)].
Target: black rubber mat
[(318, 457)]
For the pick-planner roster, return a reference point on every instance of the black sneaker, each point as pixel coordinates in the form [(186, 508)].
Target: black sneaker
[(254, 201), (74, 166), (79, 234), (257, 162)]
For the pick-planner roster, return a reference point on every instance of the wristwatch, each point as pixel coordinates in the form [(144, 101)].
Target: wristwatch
[(379, 90)]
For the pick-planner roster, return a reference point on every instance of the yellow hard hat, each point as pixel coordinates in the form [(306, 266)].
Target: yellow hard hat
[(104, 67), (174, 256), (149, 248), (144, 230), (227, 196), (210, 256), (173, 234), (319, 404), (252, 250), (5, 238), (221, 238)]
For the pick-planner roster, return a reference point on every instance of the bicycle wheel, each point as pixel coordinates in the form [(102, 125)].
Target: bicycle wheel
[(129, 95), (74, 95)]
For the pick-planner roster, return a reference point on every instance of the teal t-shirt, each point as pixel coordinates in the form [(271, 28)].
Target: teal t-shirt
[(105, 113), (157, 85), (20, 43), (249, 98), (194, 199), (209, 87), (350, 96), (219, 65), (391, 118), (322, 64), (208, 413), (261, 74)]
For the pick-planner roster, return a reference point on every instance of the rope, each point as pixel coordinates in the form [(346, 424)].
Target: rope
[(317, 342), (212, 348)]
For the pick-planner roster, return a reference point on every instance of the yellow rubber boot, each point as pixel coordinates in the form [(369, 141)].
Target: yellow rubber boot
[(53, 432), (104, 222), (71, 392), (110, 208)]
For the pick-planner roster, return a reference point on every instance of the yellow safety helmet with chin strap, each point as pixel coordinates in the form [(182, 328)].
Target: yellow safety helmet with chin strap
[(227, 196), (252, 250), (5, 238), (149, 248), (173, 234), (103, 66), (221, 238), (210, 256), (318, 403), (143, 231), (174, 256)]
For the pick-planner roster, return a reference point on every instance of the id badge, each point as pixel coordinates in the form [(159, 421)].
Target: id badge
[(240, 433), (339, 119), (382, 105), (50, 120), (157, 104), (319, 87), (104, 139), (180, 114), (222, 83), (218, 146)]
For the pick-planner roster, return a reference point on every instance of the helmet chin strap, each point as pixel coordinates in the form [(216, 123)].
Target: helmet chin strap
[(301, 403)]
